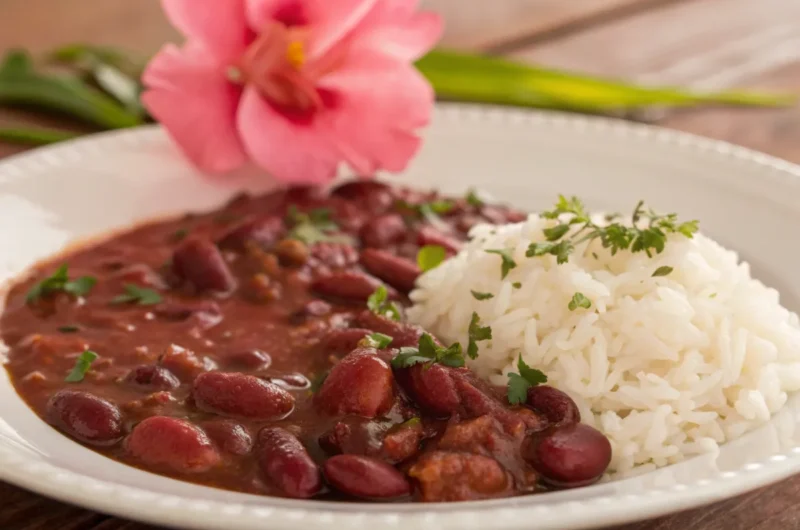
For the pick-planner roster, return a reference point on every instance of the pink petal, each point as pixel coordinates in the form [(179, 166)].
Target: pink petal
[(290, 149), (380, 105), (287, 12), (394, 28), (331, 21), (219, 25), (189, 94)]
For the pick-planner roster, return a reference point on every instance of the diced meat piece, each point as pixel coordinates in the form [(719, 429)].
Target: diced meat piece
[(361, 383), (229, 436), (445, 476), (403, 441), (85, 417), (172, 443), (354, 435), (185, 363), (477, 402), (241, 395), (287, 464), (264, 231), (383, 230), (199, 262), (365, 477)]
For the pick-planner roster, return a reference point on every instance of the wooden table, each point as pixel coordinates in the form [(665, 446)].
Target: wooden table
[(708, 44)]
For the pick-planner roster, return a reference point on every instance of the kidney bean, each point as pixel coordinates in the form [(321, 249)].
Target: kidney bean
[(305, 195), (500, 215), (85, 417), (361, 383), (287, 464), (200, 263), (477, 402), (250, 359), (241, 395), (383, 230), (293, 381), (398, 272), (264, 231), (365, 477), (151, 378), (429, 235), (570, 455), (433, 389), (335, 255), (402, 333), (556, 405), (371, 195), (349, 285), (229, 436), (173, 443), (343, 341), (445, 476)]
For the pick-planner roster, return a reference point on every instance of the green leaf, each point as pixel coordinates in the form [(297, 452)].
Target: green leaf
[(59, 282), (318, 381), (408, 359), (467, 77), (507, 263), (82, 365), (378, 341), (518, 384), (474, 199), (315, 226), (481, 296), (16, 62), (516, 285), (138, 295), (430, 256), (476, 333), (579, 300), (378, 302), (531, 375), (34, 136), (70, 328), (428, 352), (662, 271), (556, 232)]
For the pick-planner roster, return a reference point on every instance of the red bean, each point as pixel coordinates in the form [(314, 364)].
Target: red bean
[(229, 436), (172, 443), (250, 359), (293, 381), (371, 195), (287, 464), (152, 378), (398, 272), (403, 334), (349, 285), (85, 417), (557, 406), (200, 263), (305, 195), (361, 383), (428, 235), (241, 395), (334, 255), (383, 230), (433, 389), (365, 477), (571, 455), (343, 341), (265, 231)]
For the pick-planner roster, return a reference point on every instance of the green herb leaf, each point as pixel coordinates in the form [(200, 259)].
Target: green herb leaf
[(428, 352), (69, 329), (377, 340), (556, 232), (712, 295), (516, 285), (579, 300), (179, 234), (34, 136), (138, 295), (318, 381), (59, 282), (508, 262), (474, 199), (82, 365), (518, 384), (476, 333), (411, 422), (379, 303), (315, 226), (430, 256), (481, 296), (662, 271)]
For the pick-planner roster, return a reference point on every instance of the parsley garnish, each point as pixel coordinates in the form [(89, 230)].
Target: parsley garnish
[(318, 381), (477, 333), (378, 302), (60, 282), (376, 340), (312, 227), (473, 198), (579, 300), (179, 234), (428, 353), (481, 296), (69, 329), (615, 237), (662, 271), (430, 256), (508, 262), (82, 365), (430, 211), (518, 384), (139, 295), (516, 285)]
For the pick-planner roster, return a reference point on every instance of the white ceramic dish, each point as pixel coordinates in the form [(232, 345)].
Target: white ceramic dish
[(748, 201)]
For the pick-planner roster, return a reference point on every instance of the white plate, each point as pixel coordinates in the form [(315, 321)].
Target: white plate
[(751, 202)]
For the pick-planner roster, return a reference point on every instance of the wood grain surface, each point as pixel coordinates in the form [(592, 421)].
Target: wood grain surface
[(699, 43)]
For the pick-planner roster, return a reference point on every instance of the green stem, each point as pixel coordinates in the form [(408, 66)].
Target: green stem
[(34, 136)]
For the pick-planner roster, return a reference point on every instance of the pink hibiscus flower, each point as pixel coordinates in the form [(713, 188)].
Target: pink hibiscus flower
[(296, 86)]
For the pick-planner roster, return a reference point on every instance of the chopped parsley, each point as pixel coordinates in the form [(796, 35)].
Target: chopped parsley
[(429, 211), (430, 256), (579, 300), (428, 353), (474, 199), (59, 282), (518, 384), (378, 302), (376, 340), (516, 285), (318, 381), (481, 296), (315, 226), (69, 329), (139, 295), (662, 271), (179, 234), (507, 263), (82, 365), (477, 333), (561, 250), (411, 422)]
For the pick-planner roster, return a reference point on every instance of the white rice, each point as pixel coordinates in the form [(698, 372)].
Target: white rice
[(667, 367)]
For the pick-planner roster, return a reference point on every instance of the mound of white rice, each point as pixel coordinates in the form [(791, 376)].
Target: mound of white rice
[(666, 366)]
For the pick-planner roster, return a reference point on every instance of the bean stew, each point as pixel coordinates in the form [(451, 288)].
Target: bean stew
[(254, 348)]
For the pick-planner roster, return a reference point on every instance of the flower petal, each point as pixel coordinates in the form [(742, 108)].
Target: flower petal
[(394, 28), (219, 25), (188, 93), (291, 149)]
